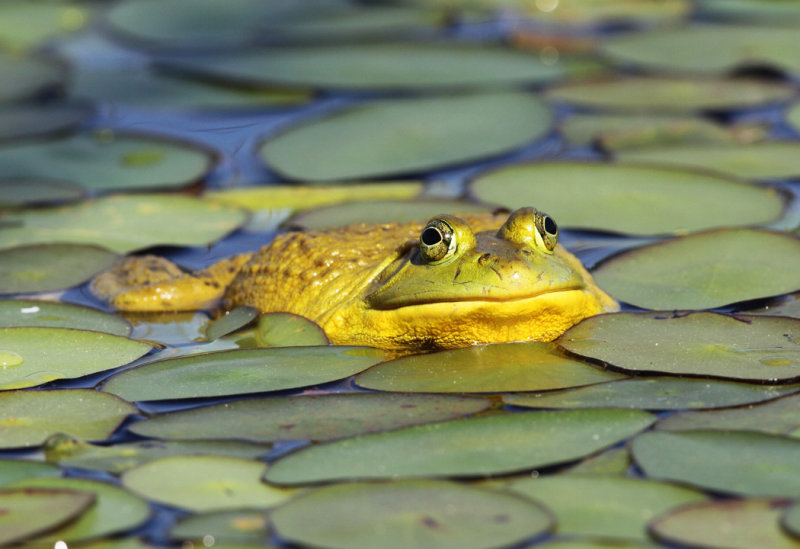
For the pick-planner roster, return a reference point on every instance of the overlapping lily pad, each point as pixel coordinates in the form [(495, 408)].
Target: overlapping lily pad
[(47, 267), (654, 393), (726, 524), (230, 322), (205, 483), (123, 223), (25, 513), (107, 161), (463, 447), (629, 198), (730, 462), (322, 417), (791, 520), (26, 77), (23, 121), (24, 25), (704, 270), (53, 314), (749, 11), (484, 369), (17, 192), (30, 417), (241, 371), (402, 136), (614, 461), (287, 329), (235, 527), (793, 116), (422, 513), (595, 543), (700, 344), (581, 503), (12, 470)]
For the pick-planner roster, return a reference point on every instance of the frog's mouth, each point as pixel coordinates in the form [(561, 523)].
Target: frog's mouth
[(384, 302)]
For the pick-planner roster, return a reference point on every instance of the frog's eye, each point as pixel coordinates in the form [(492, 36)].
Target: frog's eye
[(437, 241), (546, 230)]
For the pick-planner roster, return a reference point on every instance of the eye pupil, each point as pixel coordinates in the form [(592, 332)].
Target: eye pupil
[(431, 236), (550, 226)]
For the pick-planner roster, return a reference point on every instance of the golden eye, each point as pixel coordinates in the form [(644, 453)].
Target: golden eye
[(437, 241), (547, 230)]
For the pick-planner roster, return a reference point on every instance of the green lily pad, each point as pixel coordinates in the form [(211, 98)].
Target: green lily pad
[(727, 524), (30, 417), (24, 25), (237, 527), (106, 161), (654, 393), (318, 417), (288, 330), (400, 136), (69, 452), (630, 198), (22, 121), (708, 49), (788, 306), (464, 447), (791, 520), (484, 369), (749, 11), (230, 322), (614, 461), (241, 371), (704, 270), (30, 356), (363, 67), (383, 211), (779, 417), (793, 116), (115, 510), (25, 513), (204, 483), (51, 314), (595, 544), (730, 462), (18, 192), (419, 513), (582, 504), (701, 344), (48, 267), (12, 470), (24, 77), (124, 223), (673, 94)]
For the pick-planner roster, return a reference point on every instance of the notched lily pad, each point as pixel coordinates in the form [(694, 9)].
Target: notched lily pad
[(53, 314), (25, 513), (288, 330)]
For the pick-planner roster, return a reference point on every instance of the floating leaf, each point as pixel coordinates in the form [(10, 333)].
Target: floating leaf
[(175, 330), (700, 344), (630, 198), (204, 483), (581, 503), (319, 417), (22, 121), (235, 527), (24, 77), (241, 371), (107, 161), (125, 223), (12, 470), (30, 417), (726, 524), (48, 267), (595, 544), (400, 136), (422, 513), (484, 369), (749, 11), (24, 25), (614, 461), (25, 513), (793, 116), (288, 330), (704, 270), (463, 447), (654, 393), (18, 192), (731, 462), (49, 314), (791, 520), (230, 322)]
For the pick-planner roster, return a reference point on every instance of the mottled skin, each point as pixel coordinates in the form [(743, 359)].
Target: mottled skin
[(481, 278)]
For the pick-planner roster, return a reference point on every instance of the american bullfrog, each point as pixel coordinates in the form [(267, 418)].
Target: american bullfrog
[(452, 282)]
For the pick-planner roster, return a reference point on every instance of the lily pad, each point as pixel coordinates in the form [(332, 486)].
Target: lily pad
[(704, 270), (176, 330), (749, 11), (241, 371), (400, 136), (708, 49), (124, 223), (484, 369), (25, 513), (464, 447), (230, 527), (779, 417), (288, 330), (51, 314), (30, 417), (582, 503), (105, 161), (726, 524), (48, 267), (115, 510), (629, 198), (793, 117), (26, 77), (319, 417), (23, 121), (595, 544), (760, 348), (420, 513), (12, 470), (673, 94), (364, 67), (654, 393), (730, 462), (230, 322), (384, 211), (787, 306), (25, 25), (791, 520), (204, 483), (614, 461), (18, 192)]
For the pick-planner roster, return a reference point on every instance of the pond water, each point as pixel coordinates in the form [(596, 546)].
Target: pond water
[(661, 135)]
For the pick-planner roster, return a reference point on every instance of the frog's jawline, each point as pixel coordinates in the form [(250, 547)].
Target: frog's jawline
[(468, 299)]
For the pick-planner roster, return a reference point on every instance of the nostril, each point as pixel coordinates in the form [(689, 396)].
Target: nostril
[(483, 259)]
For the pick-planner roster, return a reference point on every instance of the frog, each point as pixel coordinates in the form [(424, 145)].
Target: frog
[(453, 281)]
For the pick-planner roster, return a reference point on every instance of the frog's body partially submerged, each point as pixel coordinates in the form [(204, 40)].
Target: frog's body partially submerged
[(450, 283)]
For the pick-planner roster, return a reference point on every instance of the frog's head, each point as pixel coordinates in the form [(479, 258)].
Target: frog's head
[(457, 287)]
